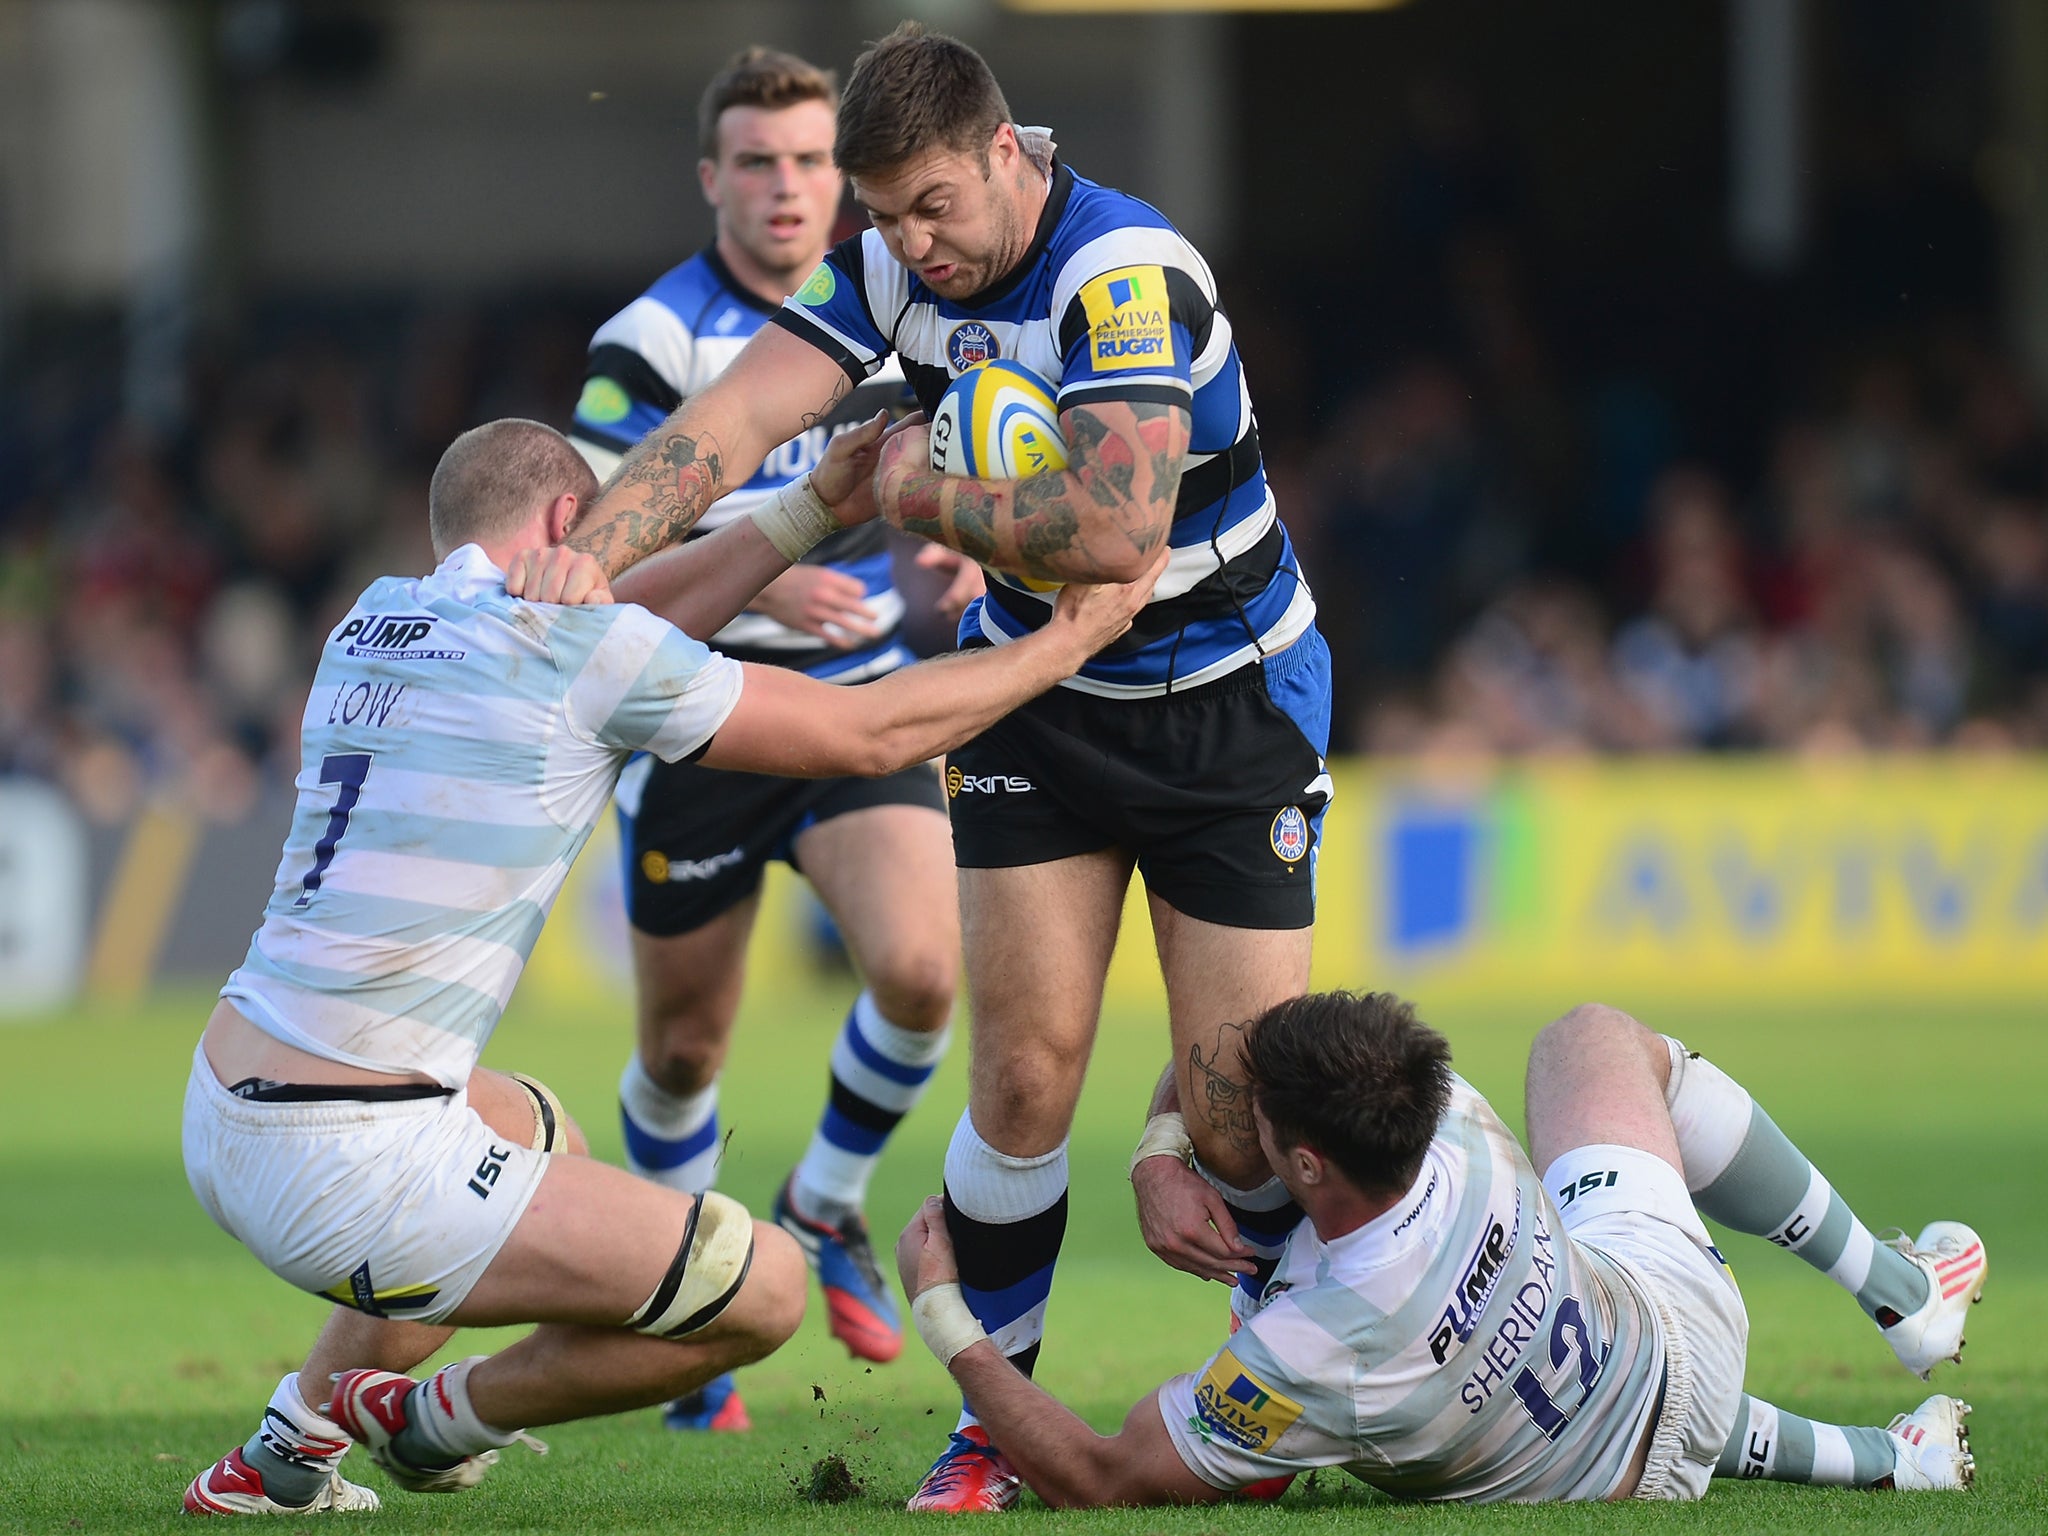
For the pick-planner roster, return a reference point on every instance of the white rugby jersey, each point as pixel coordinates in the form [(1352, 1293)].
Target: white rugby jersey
[(458, 748), (1110, 302), (1460, 1346), (669, 344)]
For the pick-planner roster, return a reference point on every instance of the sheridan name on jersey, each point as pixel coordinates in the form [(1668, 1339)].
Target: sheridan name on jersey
[(459, 745), (667, 345), (1460, 1346), (1109, 303)]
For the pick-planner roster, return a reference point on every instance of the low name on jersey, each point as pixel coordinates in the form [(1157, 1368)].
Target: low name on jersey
[(457, 748)]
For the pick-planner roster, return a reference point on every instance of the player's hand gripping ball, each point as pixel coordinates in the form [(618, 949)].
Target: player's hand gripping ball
[(997, 421)]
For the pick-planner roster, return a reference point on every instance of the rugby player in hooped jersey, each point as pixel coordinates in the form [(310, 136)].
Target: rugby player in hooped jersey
[(877, 851), (1447, 1325), (1192, 751), (459, 745)]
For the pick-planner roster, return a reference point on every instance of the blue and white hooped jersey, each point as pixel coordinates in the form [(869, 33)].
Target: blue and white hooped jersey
[(1109, 303), (1461, 1346), (458, 747), (669, 344)]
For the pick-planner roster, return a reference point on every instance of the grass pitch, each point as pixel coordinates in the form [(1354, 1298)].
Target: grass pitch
[(138, 1343)]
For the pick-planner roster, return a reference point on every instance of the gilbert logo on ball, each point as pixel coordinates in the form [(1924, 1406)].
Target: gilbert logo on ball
[(998, 422)]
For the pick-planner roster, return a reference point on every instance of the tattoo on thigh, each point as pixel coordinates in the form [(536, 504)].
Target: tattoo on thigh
[(1224, 1102)]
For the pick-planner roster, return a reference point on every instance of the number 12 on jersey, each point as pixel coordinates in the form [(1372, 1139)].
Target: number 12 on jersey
[(1567, 1336), (349, 770)]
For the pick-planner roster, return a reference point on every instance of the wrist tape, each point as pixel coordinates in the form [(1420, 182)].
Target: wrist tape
[(1165, 1136), (797, 520), (942, 1320)]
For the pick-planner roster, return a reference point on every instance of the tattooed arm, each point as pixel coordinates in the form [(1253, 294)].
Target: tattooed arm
[(1104, 518), (777, 387)]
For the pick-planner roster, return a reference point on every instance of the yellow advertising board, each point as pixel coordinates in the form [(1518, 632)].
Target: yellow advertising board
[(1735, 878)]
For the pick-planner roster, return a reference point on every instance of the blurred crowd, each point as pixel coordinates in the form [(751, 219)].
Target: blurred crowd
[(1877, 580), (1881, 584), (163, 596)]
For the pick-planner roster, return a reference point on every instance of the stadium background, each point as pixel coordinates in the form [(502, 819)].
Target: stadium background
[(1646, 388), (1655, 395)]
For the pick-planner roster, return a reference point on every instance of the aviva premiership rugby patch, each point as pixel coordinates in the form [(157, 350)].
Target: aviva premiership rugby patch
[(1127, 326), (819, 286), (1234, 1405), (603, 401)]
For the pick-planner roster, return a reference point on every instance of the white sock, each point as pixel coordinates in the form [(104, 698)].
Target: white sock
[(439, 1412), (670, 1140)]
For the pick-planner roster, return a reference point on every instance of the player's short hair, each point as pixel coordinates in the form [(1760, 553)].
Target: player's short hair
[(496, 476), (1357, 1077), (912, 93), (760, 77)]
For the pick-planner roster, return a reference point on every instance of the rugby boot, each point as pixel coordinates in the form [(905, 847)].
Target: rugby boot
[(861, 1311), (1952, 1256), (232, 1487), (714, 1407), (1931, 1447), (971, 1477), (373, 1407)]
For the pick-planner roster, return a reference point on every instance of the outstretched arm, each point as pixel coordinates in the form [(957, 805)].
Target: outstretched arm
[(1064, 1461), (797, 727), (1103, 518), (777, 387)]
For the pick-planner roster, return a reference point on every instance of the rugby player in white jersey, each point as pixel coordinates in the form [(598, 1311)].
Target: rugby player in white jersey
[(1447, 1325), (1191, 754), (459, 745), (877, 851)]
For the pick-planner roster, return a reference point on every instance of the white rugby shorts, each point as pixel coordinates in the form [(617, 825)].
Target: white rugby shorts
[(1643, 1219), (393, 1209)]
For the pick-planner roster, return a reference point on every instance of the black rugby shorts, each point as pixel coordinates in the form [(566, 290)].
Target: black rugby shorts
[(702, 836), (1218, 790)]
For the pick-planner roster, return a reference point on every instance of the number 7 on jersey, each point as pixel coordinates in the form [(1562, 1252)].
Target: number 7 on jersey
[(349, 770)]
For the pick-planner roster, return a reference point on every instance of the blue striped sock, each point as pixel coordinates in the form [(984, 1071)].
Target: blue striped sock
[(673, 1141), (1264, 1217), (879, 1072), (1007, 1217)]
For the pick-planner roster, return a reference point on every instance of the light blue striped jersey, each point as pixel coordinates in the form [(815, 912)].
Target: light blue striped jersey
[(1461, 1346), (1109, 303), (669, 344), (458, 747)]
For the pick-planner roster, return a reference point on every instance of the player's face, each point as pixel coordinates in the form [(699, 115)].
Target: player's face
[(774, 185), (955, 221)]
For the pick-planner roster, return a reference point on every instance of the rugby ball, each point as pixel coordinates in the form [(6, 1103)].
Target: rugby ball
[(998, 421)]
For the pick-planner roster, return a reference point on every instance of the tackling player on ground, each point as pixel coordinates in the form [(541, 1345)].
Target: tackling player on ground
[(1446, 1325), (1192, 752), (877, 851), (459, 745)]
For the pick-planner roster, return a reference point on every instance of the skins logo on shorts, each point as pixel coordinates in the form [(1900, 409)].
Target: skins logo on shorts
[(1234, 1405), (1290, 835), (953, 781), (1127, 319), (660, 869), (603, 401), (971, 345), (819, 287)]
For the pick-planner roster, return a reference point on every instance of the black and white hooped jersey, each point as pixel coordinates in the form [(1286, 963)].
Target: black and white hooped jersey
[(1109, 303), (669, 344), (1461, 1346)]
